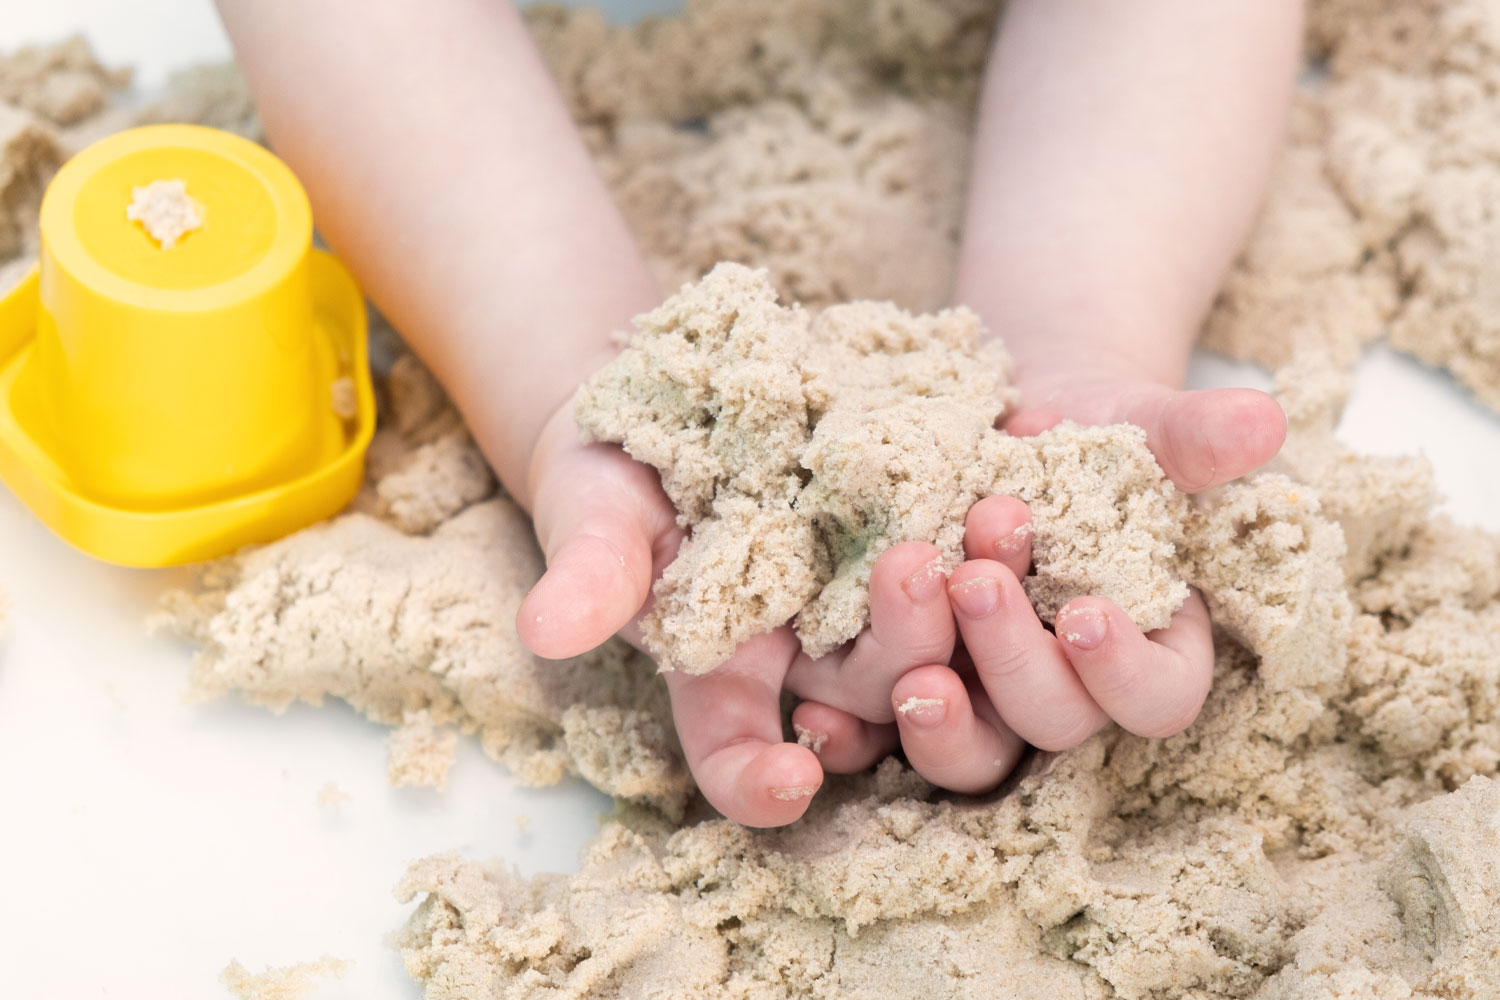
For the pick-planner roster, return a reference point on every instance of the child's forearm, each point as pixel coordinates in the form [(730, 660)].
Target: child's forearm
[(1122, 151), (444, 168)]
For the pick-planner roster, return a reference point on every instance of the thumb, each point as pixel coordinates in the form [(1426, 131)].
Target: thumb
[(600, 517), (1205, 437)]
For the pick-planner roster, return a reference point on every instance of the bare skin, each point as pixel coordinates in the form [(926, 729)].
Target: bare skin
[(1106, 205), (474, 249)]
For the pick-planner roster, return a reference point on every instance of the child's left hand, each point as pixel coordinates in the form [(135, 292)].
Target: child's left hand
[(963, 726)]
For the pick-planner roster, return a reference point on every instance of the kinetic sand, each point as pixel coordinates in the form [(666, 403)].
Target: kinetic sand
[(294, 982), (1327, 829), (165, 211), (798, 448)]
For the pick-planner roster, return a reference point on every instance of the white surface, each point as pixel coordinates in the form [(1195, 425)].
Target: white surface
[(154, 36), (144, 842)]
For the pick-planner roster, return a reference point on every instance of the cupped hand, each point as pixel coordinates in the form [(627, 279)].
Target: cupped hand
[(1200, 437), (608, 531), (963, 726)]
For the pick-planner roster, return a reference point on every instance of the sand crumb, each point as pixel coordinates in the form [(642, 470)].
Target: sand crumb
[(30, 154), (421, 754), (814, 741), (919, 705), (343, 399), (331, 796), (293, 982), (165, 211), (62, 83)]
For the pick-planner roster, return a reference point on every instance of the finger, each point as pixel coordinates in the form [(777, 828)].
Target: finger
[(1205, 437), (1027, 677), (1000, 528), (1151, 685), (729, 723), (910, 624), (604, 524), (945, 741), (844, 743), (1028, 423)]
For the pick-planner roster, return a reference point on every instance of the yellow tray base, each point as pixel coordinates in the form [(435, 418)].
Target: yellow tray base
[(30, 465)]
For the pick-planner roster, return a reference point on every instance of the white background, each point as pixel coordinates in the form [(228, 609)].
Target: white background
[(145, 842)]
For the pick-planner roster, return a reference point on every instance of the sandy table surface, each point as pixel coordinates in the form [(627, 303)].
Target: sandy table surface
[(147, 842)]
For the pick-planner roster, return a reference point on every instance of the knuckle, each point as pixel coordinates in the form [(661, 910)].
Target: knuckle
[(1119, 682), (1001, 663), (1067, 734), (1170, 724), (921, 651)]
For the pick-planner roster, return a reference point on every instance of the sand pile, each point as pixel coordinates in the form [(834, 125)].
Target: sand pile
[(1329, 828), (404, 608)]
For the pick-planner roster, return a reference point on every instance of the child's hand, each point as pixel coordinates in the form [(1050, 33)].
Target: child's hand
[(608, 531), (964, 726), (1105, 206), (729, 720)]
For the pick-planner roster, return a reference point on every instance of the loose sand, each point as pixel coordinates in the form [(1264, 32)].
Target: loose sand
[(165, 211), (293, 982), (1329, 828)]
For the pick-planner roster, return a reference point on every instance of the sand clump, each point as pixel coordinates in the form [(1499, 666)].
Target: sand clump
[(293, 982), (799, 447), (62, 83), (1379, 222), (405, 609), (29, 155), (165, 211), (1325, 830)]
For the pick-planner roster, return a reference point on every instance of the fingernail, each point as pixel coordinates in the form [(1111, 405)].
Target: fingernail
[(808, 738), (924, 711), (1016, 541), (792, 793), (1083, 627), (978, 597), (926, 583)]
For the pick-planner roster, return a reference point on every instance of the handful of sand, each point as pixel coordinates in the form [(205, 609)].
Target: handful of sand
[(799, 447)]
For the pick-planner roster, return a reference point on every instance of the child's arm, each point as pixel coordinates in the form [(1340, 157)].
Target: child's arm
[(445, 170), (1121, 153), (443, 167)]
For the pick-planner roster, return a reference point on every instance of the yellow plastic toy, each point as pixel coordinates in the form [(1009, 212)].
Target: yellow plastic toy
[(165, 401)]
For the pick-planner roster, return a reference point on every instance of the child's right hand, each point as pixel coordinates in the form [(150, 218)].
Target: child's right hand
[(608, 531)]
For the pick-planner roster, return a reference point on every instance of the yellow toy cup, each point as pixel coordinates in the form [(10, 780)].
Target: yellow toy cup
[(164, 400), (182, 375)]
